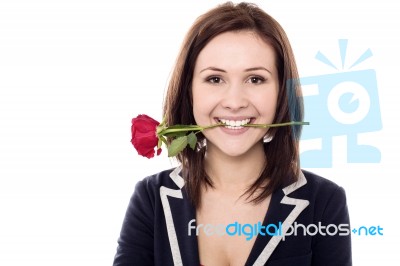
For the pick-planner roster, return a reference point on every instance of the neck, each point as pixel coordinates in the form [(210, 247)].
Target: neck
[(235, 173)]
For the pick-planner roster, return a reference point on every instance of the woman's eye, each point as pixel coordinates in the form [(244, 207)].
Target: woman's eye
[(215, 80), (256, 80)]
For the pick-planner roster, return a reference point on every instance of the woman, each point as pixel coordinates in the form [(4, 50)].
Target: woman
[(240, 198)]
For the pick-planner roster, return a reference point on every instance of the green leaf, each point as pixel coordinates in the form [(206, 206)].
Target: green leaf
[(175, 134), (177, 145), (192, 140)]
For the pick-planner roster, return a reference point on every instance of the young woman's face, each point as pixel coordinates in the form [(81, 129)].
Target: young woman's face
[(235, 81)]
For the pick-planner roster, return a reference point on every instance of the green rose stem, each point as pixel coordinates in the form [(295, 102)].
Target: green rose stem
[(182, 140), (292, 123), (170, 130)]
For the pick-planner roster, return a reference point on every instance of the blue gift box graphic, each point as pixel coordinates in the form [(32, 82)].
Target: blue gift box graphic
[(344, 103)]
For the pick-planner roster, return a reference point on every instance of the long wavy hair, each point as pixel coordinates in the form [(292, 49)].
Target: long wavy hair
[(282, 152)]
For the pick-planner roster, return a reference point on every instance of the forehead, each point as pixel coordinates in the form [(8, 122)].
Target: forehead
[(237, 48)]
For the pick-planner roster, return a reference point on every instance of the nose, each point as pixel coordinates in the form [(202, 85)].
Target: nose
[(235, 97)]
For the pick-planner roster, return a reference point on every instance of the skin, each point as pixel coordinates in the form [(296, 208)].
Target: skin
[(234, 78)]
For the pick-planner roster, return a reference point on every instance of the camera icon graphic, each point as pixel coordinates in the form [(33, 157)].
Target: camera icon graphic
[(340, 104)]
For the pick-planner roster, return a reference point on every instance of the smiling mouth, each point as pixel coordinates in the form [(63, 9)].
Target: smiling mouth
[(234, 124)]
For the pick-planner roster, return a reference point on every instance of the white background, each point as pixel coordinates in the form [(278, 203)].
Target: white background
[(73, 74)]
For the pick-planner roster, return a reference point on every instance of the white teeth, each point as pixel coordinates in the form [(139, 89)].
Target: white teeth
[(234, 124)]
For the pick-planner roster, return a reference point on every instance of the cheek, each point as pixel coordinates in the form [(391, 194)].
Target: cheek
[(266, 104), (203, 100), (196, 103), (201, 105)]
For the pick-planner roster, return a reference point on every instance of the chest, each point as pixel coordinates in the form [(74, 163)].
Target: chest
[(226, 230)]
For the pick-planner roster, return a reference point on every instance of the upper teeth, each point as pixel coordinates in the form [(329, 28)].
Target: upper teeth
[(235, 123)]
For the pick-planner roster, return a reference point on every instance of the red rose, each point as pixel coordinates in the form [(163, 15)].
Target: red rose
[(144, 135)]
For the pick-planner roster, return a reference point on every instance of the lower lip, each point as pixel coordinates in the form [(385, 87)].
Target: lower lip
[(234, 131)]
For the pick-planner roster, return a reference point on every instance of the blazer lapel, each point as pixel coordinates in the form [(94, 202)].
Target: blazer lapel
[(282, 212), (178, 213)]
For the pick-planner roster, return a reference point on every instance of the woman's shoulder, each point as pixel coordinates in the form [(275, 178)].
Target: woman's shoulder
[(321, 188), (317, 181), (327, 200), (169, 178)]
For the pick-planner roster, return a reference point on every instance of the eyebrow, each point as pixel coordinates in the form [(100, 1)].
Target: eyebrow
[(246, 70), (213, 68)]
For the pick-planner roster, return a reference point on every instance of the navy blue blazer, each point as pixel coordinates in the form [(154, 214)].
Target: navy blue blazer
[(155, 228)]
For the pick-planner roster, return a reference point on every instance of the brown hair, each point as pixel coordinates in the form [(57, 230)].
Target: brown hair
[(282, 153)]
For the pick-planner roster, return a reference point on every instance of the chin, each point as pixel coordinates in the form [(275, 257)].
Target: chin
[(233, 151), (234, 154)]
